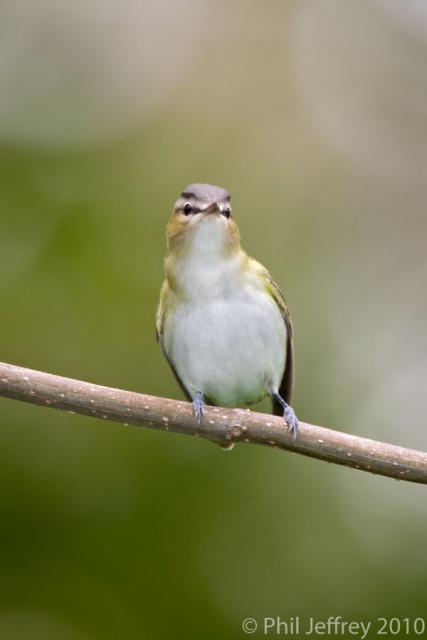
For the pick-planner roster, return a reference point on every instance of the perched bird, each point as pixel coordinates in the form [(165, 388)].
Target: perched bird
[(222, 321)]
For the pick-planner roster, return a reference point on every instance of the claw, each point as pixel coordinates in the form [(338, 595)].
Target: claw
[(288, 414), (291, 419), (198, 406)]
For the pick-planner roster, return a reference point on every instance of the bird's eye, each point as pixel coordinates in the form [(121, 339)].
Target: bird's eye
[(188, 209), (227, 212)]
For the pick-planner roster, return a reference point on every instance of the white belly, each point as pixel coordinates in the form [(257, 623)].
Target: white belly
[(230, 347)]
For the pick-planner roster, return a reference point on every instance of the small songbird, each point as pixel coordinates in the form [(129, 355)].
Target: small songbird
[(222, 321)]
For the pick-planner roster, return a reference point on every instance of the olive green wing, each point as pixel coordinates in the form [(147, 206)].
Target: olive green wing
[(286, 386), (160, 323), (161, 310)]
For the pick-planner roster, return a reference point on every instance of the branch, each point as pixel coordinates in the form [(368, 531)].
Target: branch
[(224, 426)]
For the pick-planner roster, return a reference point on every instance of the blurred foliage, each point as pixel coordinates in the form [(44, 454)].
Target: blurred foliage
[(113, 532)]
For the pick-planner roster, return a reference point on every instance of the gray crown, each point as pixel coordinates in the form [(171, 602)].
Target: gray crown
[(205, 193)]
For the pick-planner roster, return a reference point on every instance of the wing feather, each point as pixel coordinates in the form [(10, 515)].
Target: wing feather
[(287, 383), (160, 323), (161, 310)]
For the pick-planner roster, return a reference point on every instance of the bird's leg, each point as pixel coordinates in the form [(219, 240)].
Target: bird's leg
[(288, 413), (198, 406)]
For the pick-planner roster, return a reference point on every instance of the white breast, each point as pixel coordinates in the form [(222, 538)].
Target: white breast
[(226, 338)]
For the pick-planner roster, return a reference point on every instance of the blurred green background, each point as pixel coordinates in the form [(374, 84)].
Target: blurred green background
[(313, 114)]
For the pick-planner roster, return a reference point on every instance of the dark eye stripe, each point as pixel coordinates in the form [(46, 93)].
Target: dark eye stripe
[(189, 209)]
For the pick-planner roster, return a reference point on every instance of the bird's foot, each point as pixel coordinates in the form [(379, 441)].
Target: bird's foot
[(291, 420), (198, 406), (288, 414)]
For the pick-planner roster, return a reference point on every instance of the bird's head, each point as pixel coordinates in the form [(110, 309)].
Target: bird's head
[(201, 221)]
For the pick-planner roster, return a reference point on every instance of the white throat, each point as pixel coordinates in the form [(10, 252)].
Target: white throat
[(209, 236), (206, 270)]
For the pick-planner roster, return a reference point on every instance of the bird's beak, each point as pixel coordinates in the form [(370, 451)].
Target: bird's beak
[(212, 208)]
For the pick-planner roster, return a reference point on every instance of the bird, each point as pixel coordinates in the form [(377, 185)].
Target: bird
[(222, 321)]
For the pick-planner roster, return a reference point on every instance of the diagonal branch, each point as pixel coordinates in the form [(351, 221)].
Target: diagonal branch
[(224, 426)]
